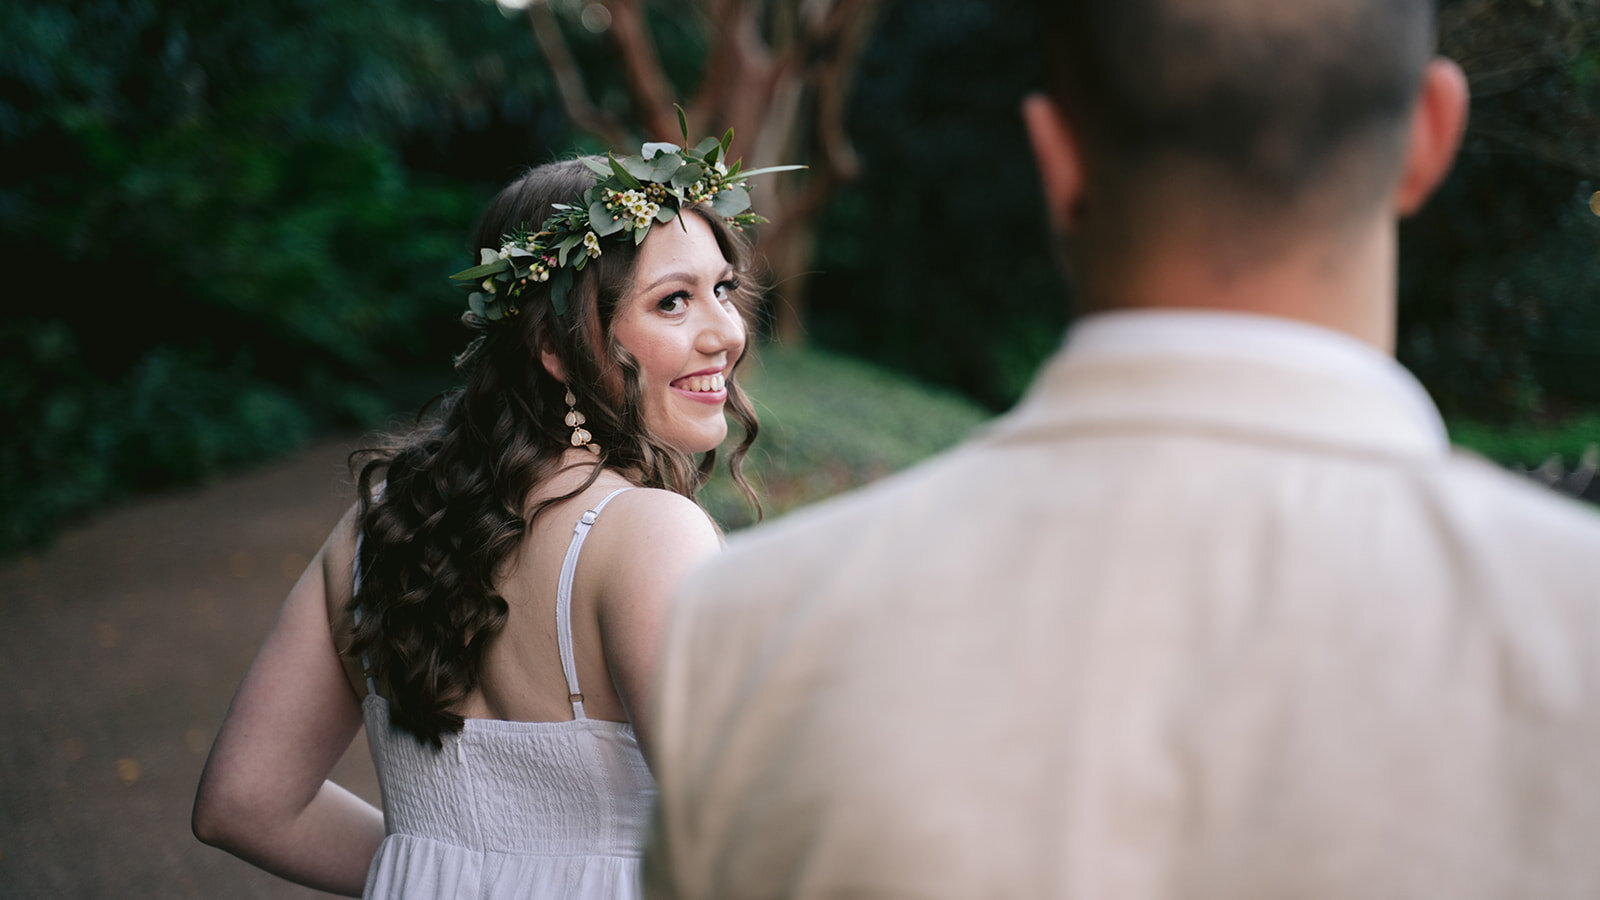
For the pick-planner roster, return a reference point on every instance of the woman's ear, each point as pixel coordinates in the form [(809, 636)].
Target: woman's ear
[(1437, 123), (549, 358), (1060, 163)]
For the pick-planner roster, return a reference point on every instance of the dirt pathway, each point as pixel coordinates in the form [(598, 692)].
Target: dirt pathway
[(120, 648)]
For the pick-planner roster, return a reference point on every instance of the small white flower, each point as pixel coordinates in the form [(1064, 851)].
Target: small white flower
[(591, 244), (488, 285)]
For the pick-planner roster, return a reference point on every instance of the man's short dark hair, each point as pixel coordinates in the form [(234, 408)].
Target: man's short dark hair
[(1264, 92)]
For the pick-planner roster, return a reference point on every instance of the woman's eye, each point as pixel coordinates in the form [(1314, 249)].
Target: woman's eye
[(673, 303), (725, 289)]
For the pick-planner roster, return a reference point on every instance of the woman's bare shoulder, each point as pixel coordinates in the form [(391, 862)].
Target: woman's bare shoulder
[(644, 511), (647, 532)]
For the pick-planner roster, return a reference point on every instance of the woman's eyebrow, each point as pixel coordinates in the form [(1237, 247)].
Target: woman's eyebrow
[(670, 276), (685, 277)]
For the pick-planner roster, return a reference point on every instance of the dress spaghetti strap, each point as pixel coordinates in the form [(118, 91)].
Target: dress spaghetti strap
[(569, 567)]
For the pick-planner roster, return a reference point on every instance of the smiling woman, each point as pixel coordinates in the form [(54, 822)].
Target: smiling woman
[(685, 332), (610, 306)]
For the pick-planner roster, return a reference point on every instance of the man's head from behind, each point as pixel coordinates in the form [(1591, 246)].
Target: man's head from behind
[(1255, 122)]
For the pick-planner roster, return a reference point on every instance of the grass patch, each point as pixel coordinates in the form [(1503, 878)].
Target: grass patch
[(830, 423), (1529, 446)]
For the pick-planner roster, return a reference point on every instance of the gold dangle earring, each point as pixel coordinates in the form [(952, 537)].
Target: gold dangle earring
[(580, 435)]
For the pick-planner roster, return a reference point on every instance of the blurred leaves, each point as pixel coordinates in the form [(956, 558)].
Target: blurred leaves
[(231, 225), (949, 277), (935, 261), (1500, 274)]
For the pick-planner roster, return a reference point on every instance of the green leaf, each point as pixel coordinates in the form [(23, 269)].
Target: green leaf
[(731, 202), (683, 122), (566, 247), (619, 169), (652, 148), (664, 166), (560, 286), (665, 213), (727, 141), (686, 176), (601, 222), (475, 302), (638, 234), (478, 273), (637, 168), (596, 166), (706, 146)]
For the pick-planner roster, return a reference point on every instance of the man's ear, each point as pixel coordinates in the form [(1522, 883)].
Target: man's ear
[(1438, 122), (1059, 160)]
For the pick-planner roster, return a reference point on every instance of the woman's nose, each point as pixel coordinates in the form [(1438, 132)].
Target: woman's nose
[(722, 331)]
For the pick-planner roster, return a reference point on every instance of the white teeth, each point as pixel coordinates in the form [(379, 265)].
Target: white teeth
[(705, 383)]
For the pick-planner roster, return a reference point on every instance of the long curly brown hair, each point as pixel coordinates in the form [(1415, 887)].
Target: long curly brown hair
[(443, 506)]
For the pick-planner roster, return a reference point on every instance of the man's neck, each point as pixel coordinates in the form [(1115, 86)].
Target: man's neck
[(1346, 285)]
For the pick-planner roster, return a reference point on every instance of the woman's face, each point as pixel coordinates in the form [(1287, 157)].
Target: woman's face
[(680, 323)]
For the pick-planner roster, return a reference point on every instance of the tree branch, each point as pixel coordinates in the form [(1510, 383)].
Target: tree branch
[(641, 69), (569, 79)]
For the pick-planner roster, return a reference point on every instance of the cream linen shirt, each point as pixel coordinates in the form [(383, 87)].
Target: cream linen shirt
[(1214, 613)]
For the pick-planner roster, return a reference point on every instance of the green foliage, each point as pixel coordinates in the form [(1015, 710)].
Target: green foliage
[(1500, 281), (830, 423), (936, 261), (938, 266), (79, 440), (1528, 446), (220, 229)]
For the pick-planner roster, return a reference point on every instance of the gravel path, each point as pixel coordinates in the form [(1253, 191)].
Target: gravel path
[(120, 649)]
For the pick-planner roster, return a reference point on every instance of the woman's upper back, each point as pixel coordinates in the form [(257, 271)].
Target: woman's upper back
[(635, 551), (523, 788)]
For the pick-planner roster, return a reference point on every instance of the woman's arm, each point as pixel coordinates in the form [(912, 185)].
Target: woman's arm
[(264, 795), (659, 538)]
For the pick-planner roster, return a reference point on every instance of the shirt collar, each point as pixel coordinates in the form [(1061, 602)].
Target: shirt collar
[(1236, 371)]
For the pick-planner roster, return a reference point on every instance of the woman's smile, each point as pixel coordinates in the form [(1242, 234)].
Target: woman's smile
[(704, 387)]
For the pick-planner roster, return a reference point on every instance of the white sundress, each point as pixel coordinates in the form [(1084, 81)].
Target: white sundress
[(512, 809)]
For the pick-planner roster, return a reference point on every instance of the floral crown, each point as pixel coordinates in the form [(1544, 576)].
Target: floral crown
[(633, 194)]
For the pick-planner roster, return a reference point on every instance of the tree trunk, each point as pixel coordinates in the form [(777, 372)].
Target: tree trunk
[(779, 73)]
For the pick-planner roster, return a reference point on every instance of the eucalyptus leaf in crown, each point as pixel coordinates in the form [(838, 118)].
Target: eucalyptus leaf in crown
[(634, 193)]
